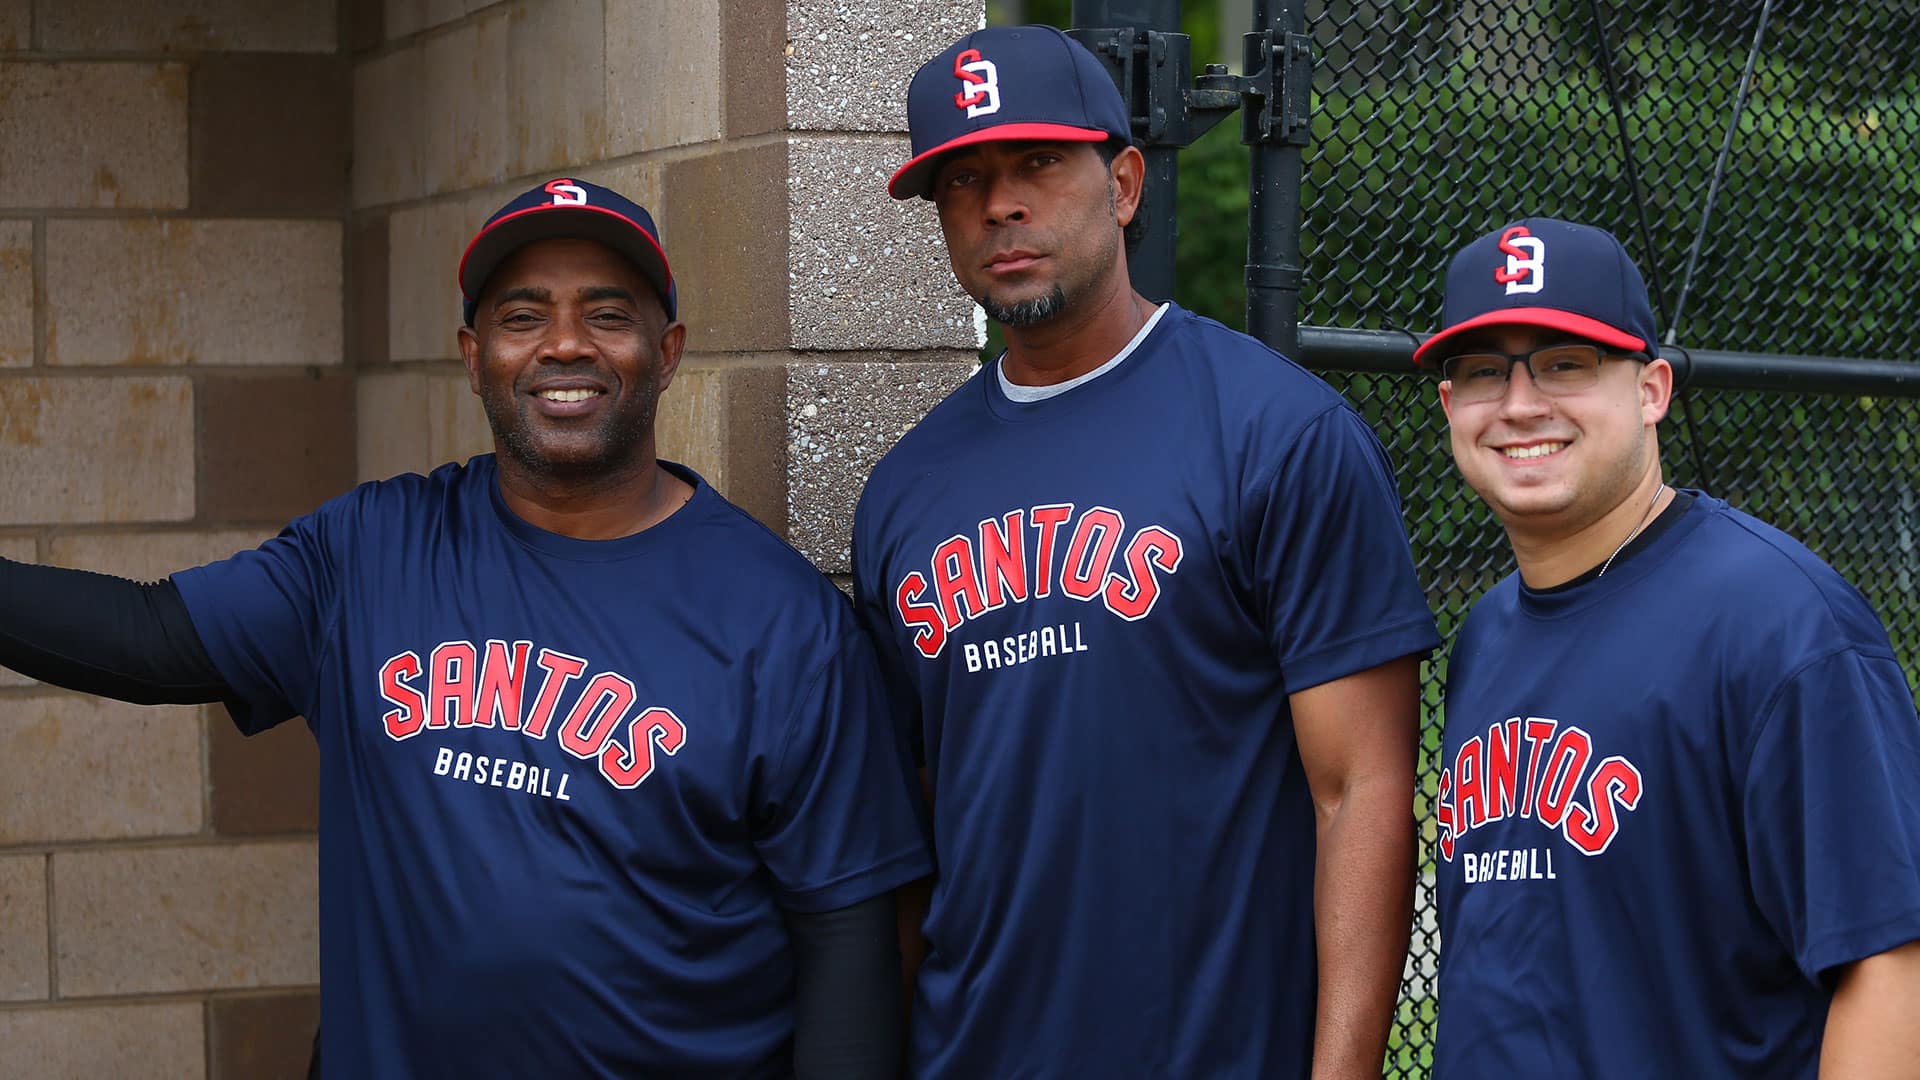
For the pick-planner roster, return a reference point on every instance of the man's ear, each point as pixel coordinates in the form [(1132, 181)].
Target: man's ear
[(470, 355), (1656, 391), (673, 342), (1129, 173)]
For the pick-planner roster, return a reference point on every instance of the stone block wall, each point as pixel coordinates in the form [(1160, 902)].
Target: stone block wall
[(174, 384), (228, 235)]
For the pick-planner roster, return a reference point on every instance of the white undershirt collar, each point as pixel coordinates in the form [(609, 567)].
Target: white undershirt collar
[(1028, 394)]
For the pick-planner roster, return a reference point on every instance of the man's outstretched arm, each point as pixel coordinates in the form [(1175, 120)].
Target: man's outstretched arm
[(104, 635)]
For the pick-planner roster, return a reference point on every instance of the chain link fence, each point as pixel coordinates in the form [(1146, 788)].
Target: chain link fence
[(1435, 122)]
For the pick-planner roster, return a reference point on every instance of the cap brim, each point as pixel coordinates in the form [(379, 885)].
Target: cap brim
[(916, 176), (603, 226), (1550, 318)]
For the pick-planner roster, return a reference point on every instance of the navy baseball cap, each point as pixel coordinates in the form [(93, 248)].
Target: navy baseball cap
[(1544, 272), (1006, 82), (571, 209)]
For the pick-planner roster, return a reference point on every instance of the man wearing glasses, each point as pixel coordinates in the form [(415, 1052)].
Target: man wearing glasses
[(1679, 807)]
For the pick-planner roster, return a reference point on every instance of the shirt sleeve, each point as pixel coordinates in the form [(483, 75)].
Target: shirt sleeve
[(1831, 813), (840, 811), (264, 616), (1332, 568), (870, 599)]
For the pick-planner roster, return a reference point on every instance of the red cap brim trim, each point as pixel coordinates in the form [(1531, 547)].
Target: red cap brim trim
[(492, 226), (911, 179), (1551, 318)]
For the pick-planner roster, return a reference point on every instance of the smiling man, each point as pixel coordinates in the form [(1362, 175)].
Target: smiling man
[(1144, 592), (1678, 826), (607, 785)]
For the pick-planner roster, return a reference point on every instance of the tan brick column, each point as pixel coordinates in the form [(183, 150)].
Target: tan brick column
[(173, 386)]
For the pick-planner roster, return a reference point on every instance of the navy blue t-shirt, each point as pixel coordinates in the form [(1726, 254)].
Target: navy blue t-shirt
[(566, 787), (1674, 800), (1095, 607)]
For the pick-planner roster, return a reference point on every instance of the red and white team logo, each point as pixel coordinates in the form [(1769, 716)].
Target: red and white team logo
[(1486, 782), (566, 193), (979, 82), (1027, 554), (1526, 267), (512, 687)]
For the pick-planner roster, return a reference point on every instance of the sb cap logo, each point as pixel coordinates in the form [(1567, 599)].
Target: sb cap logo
[(1526, 268), (566, 193), (980, 84)]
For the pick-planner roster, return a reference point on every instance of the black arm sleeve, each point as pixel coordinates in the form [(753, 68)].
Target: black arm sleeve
[(104, 635), (849, 1011)]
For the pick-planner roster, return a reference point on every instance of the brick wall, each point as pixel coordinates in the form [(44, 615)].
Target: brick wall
[(174, 383), (228, 232)]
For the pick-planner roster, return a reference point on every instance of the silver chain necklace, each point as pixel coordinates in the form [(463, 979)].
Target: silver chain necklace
[(1648, 516)]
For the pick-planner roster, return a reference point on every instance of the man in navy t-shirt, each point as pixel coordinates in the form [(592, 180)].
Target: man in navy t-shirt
[(607, 784), (1679, 817), (1146, 597)]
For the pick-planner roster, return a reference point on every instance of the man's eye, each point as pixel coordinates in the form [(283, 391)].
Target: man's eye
[(1474, 368), (519, 318), (611, 318)]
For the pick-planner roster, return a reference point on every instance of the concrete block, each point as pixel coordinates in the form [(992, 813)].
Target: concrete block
[(95, 450), (165, 1041), (167, 920), (366, 24), (368, 257), (664, 85), (556, 84), (270, 135), (851, 63), (415, 421), (23, 929), (16, 25), (285, 26), (466, 103), (171, 291), (390, 122), (86, 135), (727, 235), (85, 768), (840, 419), (265, 1036), (867, 271), (273, 448), (424, 245), (262, 784), (753, 42), (16, 293)]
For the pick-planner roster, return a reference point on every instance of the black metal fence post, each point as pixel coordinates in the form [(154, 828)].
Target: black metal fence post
[(1277, 129), (1151, 264)]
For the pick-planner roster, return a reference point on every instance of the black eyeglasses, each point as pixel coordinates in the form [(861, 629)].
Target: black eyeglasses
[(1562, 368)]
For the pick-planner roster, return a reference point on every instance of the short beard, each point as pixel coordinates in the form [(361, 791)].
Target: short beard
[(1024, 313), (620, 435)]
